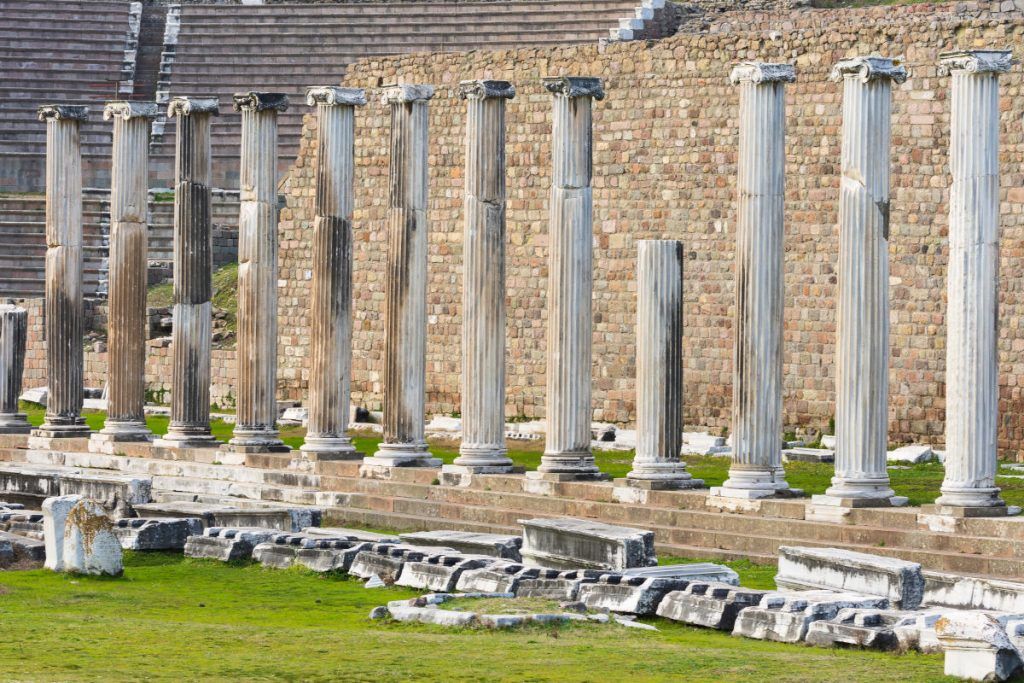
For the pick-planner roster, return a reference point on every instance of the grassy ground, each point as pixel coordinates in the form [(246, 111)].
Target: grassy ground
[(920, 483), (171, 618)]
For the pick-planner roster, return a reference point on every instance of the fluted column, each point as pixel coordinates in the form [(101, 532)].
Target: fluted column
[(331, 285), (13, 340), (756, 470), (129, 202), (972, 321), (862, 346), (256, 427), (65, 312), (405, 316), (567, 454), (659, 368), (483, 284), (193, 272)]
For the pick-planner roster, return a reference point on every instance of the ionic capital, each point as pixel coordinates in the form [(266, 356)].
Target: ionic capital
[(259, 101), (186, 106), (400, 94), (575, 86), (63, 112), (976, 61), (479, 90), (331, 94), (762, 72), (869, 69), (128, 110)]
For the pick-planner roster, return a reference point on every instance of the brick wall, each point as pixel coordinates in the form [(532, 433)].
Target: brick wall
[(664, 157)]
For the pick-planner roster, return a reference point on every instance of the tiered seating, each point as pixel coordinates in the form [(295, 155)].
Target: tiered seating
[(71, 52), (224, 49)]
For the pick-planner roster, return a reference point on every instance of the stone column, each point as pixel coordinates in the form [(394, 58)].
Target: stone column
[(193, 272), (862, 346), (567, 454), (405, 342), (659, 368), (331, 298), (65, 311), (972, 321), (756, 470), (129, 203), (483, 283), (13, 339), (256, 427)]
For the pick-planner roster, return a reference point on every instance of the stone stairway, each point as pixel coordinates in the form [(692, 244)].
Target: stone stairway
[(411, 500)]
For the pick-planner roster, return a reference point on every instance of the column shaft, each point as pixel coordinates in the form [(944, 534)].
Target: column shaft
[(13, 340), (331, 295)]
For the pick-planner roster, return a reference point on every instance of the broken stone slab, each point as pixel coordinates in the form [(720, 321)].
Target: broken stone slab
[(280, 551), (709, 604), (386, 560), (873, 629), (140, 533), (977, 648), (328, 555), (469, 542), (38, 395), (354, 534), (803, 454), (555, 584), (31, 549), (498, 577), (628, 594), (230, 516), (702, 443), (828, 441), (785, 617), (696, 571), (967, 592), (86, 537), (802, 568), (226, 544), (569, 543), (440, 572), (912, 454)]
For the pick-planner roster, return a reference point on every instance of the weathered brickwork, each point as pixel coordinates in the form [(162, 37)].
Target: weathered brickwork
[(664, 157)]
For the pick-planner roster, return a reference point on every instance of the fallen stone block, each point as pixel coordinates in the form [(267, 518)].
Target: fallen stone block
[(845, 570), (28, 523), (709, 604), (568, 543), (439, 572), (696, 571), (86, 537), (628, 594), (140, 533), (785, 617), (330, 555), (967, 592), (866, 628), (385, 560), (555, 584), (498, 577), (804, 454), (281, 550), (911, 454), (469, 542), (25, 548), (230, 516), (352, 534), (977, 648), (226, 544)]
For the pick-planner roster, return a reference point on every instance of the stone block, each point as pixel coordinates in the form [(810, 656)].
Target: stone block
[(439, 572), (845, 570), (499, 577), (138, 533), (353, 534), (330, 555), (977, 648), (55, 515), (555, 584), (967, 592), (226, 544), (230, 516), (628, 594), (89, 545), (709, 604), (385, 560), (696, 571), (281, 550), (803, 454), (911, 454), (28, 523), (785, 617), (568, 543), (31, 549), (873, 629), (469, 542)]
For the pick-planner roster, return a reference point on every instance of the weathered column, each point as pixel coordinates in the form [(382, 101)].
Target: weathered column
[(756, 470), (659, 368), (13, 340), (331, 297), (129, 203), (862, 346), (405, 342), (64, 306), (483, 282), (567, 454), (972, 321), (256, 427), (193, 272)]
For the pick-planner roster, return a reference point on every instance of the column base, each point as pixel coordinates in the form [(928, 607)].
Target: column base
[(483, 459), (71, 430), (106, 442), (562, 466), (968, 511), (462, 475), (664, 475), (188, 437), (967, 497), (401, 455), (837, 510), (754, 483), (330, 448), (660, 484), (14, 423)]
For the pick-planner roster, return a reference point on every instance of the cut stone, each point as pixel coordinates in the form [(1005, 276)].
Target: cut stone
[(785, 617), (118, 493), (977, 648), (965, 592), (697, 571), (439, 572), (28, 523), (556, 585), (156, 534), (499, 577), (808, 455), (25, 548), (628, 594), (387, 559), (845, 570), (353, 534), (90, 545), (911, 454), (709, 604), (496, 545), (55, 515), (227, 544), (330, 555), (867, 628), (277, 518), (568, 543)]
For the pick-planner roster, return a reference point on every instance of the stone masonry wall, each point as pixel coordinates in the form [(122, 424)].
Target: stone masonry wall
[(664, 165)]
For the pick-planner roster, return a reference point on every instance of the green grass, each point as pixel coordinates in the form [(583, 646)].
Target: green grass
[(171, 618), (225, 295)]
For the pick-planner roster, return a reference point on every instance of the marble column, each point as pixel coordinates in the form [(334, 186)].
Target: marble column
[(256, 426), (567, 454), (193, 272), (13, 340), (483, 448), (331, 297), (129, 203), (862, 346), (405, 316), (659, 368), (756, 470), (972, 320), (64, 312)]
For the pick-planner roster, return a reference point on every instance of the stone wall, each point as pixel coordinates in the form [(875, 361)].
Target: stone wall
[(665, 154)]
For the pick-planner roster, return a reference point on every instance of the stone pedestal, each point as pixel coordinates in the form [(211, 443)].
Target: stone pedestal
[(331, 287), (756, 470), (972, 380), (405, 343), (659, 368), (567, 455), (65, 313), (129, 203), (483, 448), (256, 427), (862, 348), (193, 272), (13, 340)]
